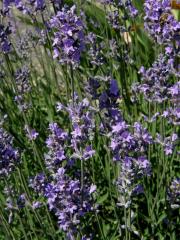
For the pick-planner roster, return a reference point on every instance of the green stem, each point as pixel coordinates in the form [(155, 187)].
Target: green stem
[(99, 225), (72, 82)]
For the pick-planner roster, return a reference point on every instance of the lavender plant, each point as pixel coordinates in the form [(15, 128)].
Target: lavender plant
[(70, 198), (159, 22), (9, 155), (68, 41), (5, 31), (89, 96)]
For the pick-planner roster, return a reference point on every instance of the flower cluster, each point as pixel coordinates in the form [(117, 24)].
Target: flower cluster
[(95, 49), (128, 144), (57, 4), (132, 170), (56, 143), (15, 201), (27, 7), (31, 133), (126, 140), (172, 114), (155, 85), (38, 4), (22, 87), (68, 192), (9, 156), (68, 200), (5, 45), (39, 183), (159, 21), (81, 115), (127, 5), (68, 40), (174, 193), (168, 143), (108, 102)]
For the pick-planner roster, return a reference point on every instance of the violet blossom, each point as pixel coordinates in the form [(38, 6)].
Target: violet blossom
[(5, 44), (173, 196), (159, 21), (128, 144), (67, 196), (68, 39), (155, 85), (9, 156), (31, 133), (132, 170), (81, 115), (127, 5), (56, 143), (168, 143), (26, 7), (95, 49), (23, 87), (68, 201)]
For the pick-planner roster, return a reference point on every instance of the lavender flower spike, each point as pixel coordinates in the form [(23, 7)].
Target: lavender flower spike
[(159, 21), (64, 197), (68, 40), (174, 193), (5, 45), (9, 156)]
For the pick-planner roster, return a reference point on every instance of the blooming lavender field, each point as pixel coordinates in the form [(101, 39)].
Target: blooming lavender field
[(89, 120)]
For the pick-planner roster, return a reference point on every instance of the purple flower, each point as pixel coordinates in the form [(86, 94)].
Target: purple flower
[(5, 45), (128, 144), (168, 143), (125, 142), (88, 152), (142, 134), (81, 115), (132, 170), (68, 197), (31, 133), (175, 91), (21, 201), (127, 5), (95, 49), (159, 21), (9, 156), (22, 88), (114, 89), (138, 189), (39, 4), (56, 143), (39, 183), (174, 193), (172, 115), (36, 204), (68, 40), (68, 200), (155, 85), (26, 7), (143, 166), (114, 19)]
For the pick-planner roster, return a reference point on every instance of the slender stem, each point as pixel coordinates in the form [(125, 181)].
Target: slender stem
[(129, 222), (6, 225), (72, 82), (82, 181), (125, 219), (99, 225)]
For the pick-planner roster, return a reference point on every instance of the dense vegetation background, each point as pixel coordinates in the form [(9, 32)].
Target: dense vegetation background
[(89, 128)]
